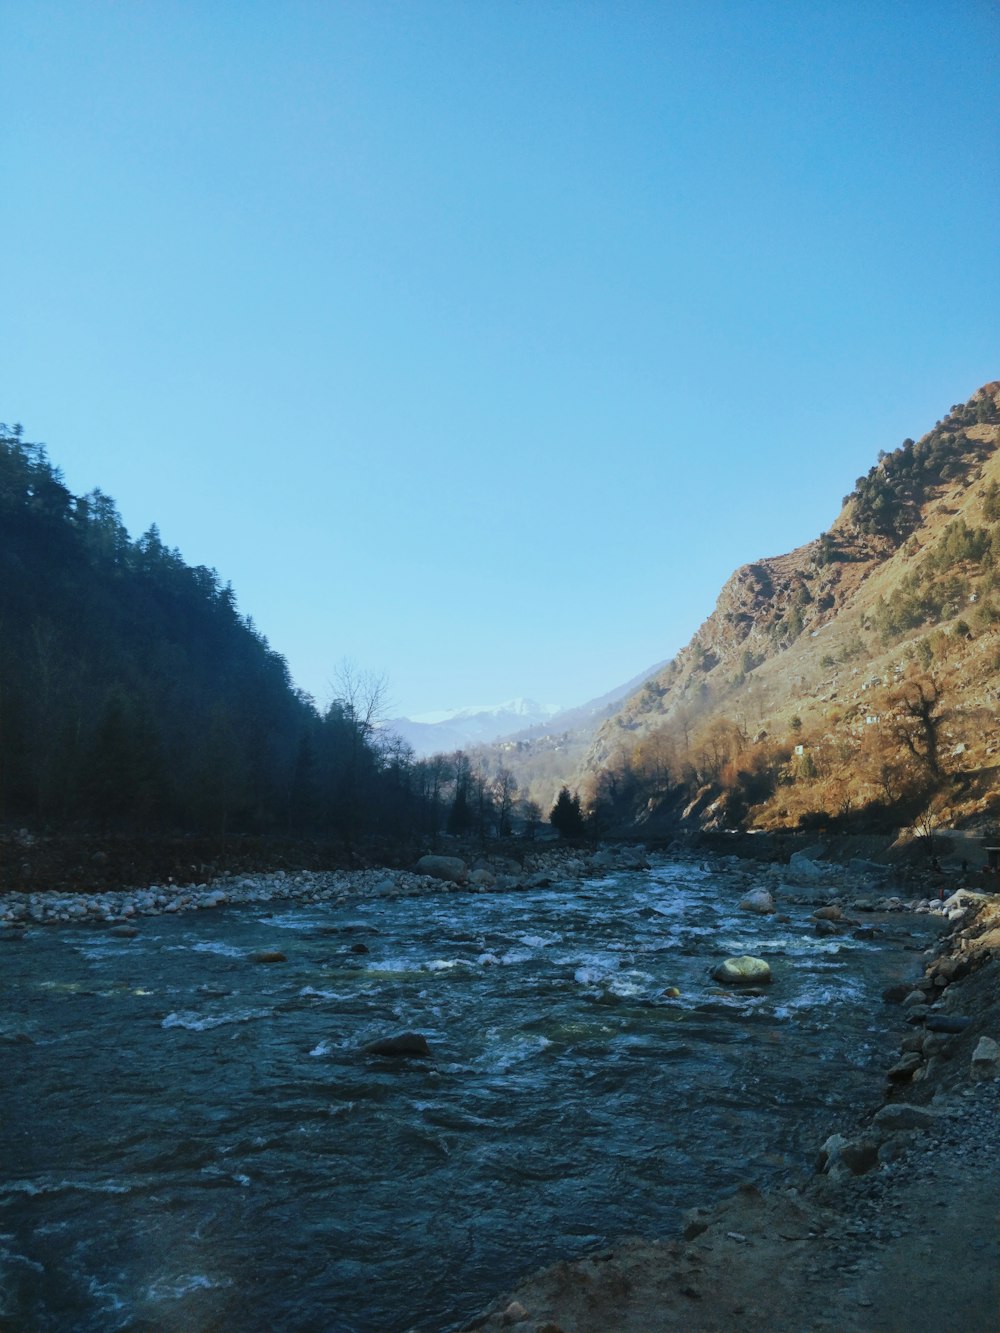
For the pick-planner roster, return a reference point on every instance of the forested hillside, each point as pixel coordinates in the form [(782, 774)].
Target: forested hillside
[(133, 693), (852, 683)]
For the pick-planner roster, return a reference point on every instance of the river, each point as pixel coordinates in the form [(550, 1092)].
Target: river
[(196, 1142)]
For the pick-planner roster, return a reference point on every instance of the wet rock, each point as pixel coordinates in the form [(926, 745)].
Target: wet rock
[(829, 913), (824, 927), (123, 932), (484, 879), (451, 869), (743, 971), (268, 956), (358, 947), (758, 901), (402, 1045)]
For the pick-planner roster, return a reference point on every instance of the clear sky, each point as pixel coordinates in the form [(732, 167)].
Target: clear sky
[(479, 342)]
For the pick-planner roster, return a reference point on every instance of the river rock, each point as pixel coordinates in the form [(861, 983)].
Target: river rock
[(832, 912), (986, 1059), (947, 1022), (802, 866), (484, 879), (403, 1044), (269, 956), (824, 927), (903, 1115), (451, 869), (743, 971), (840, 1157), (758, 901), (906, 1066), (123, 932)]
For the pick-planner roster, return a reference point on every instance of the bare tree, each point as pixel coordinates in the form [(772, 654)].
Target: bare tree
[(917, 722), (504, 792)]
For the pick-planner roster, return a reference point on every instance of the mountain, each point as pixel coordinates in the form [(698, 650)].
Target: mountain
[(545, 756), (444, 732), (853, 681)]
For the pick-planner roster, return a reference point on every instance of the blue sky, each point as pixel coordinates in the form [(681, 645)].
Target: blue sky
[(479, 342)]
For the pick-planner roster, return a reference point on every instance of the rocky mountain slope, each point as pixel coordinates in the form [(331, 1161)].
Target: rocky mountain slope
[(858, 673)]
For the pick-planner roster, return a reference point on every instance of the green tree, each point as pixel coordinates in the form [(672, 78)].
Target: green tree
[(566, 816)]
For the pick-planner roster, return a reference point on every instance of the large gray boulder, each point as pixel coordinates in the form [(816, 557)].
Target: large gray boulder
[(803, 865), (758, 901), (743, 971), (451, 869)]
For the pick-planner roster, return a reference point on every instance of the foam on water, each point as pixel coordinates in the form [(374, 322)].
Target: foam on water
[(195, 1022)]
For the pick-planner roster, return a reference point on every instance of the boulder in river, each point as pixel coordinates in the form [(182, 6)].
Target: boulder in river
[(743, 971), (451, 869), (268, 956), (759, 901), (403, 1044)]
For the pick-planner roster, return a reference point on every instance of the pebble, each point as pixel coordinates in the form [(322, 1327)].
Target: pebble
[(336, 887)]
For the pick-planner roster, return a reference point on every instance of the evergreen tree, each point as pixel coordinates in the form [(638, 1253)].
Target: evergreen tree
[(566, 816)]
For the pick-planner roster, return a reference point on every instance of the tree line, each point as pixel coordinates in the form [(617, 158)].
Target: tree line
[(135, 695)]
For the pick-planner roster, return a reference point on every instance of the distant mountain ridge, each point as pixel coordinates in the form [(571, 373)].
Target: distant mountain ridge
[(445, 731)]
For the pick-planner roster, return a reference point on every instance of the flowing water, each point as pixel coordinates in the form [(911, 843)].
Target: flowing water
[(196, 1142)]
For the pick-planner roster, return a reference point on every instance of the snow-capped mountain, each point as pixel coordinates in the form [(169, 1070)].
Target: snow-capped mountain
[(454, 729)]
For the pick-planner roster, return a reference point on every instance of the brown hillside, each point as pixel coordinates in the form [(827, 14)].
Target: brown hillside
[(863, 648)]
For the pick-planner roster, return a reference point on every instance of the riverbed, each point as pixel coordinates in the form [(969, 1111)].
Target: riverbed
[(197, 1141)]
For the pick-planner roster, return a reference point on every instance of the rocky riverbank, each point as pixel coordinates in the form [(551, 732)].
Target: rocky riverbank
[(899, 1230), (859, 886)]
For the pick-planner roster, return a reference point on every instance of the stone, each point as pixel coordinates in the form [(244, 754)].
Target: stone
[(451, 869), (903, 1115), (696, 1221), (986, 1059), (830, 913), (358, 947), (402, 1045), (758, 901), (947, 1022), (485, 879), (802, 865), (515, 1313), (914, 997), (825, 927), (269, 956), (840, 1157), (123, 932), (743, 971), (906, 1066)]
